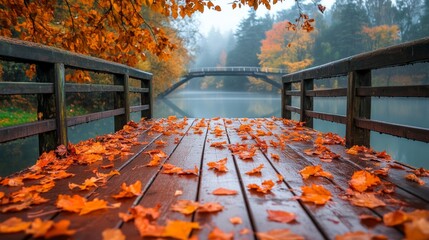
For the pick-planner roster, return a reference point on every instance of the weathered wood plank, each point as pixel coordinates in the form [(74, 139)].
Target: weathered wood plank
[(26, 130), (76, 87), (327, 117), (235, 205), (131, 170), (343, 215), (18, 50), (162, 190), (49, 211), (139, 108), (293, 109), (139, 90), (15, 88), (72, 121), (336, 92), (394, 91), (280, 198), (413, 133)]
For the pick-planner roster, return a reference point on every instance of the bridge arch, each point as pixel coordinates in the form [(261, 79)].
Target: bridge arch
[(261, 73)]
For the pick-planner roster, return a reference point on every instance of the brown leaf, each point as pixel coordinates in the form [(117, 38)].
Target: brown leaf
[(13, 225), (281, 216), (276, 234), (362, 180), (315, 193), (366, 200), (217, 234), (224, 191)]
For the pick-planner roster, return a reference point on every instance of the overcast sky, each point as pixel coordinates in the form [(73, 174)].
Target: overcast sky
[(228, 19)]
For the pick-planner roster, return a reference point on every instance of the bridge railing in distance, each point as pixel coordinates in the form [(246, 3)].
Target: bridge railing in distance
[(51, 86), (237, 69), (359, 91)]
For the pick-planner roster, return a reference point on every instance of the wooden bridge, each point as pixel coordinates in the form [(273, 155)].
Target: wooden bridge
[(268, 178), (260, 73)]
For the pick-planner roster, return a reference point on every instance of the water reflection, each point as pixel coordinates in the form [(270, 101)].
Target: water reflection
[(212, 104)]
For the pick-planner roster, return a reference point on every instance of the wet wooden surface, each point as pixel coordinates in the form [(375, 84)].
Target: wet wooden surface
[(187, 145)]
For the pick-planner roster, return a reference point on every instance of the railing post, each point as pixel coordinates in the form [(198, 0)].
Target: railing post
[(286, 100), (357, 107), (60, 104), (306, 102), (122, 100), (146, 98)]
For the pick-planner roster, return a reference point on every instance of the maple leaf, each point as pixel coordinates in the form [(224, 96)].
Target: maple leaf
[(224, 191), (171, 169), (360, 235), (179, 229), (93, 205), (265, 187), (369, 220), (421, 172), (366, 200), (219, 165), (148, 213), (236, 220), (90, 182), (185, 206), (395, 218), (70, 203), (314, 171), (256, 170), (39, 228), (276, 234), (414, 178), (362, 180), (315, 193), (12, 182), (129, 191), (218, 144), (417, 229), (275, 156), (217, 234), (210, 207), (279, 178), (194, 171), (113, 234), (13, 225), (160, 143), (60, 229), (281, 216)]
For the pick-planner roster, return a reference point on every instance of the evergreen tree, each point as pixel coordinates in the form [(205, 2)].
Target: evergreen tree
[(248, 36)]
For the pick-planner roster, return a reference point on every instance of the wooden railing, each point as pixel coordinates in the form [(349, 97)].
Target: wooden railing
[(51, 90), (359, 92)]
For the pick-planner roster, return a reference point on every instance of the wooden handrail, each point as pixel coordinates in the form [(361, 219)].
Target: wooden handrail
[(359, 91), (51, 90)]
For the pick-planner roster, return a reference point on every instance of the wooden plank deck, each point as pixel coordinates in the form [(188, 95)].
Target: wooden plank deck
[(281, 146)]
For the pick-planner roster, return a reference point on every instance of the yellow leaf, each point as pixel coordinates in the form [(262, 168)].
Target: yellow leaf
[(179, 229)]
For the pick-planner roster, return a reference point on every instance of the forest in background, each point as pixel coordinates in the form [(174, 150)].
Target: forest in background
[(348, 28)]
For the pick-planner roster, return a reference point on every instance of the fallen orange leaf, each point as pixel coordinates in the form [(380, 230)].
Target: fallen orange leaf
[(171, 169), (179, 229), (73, 203), (360, 235), (256, 170), (236, 220), (219, 165), (315, 193), (60, 229), (276, 234), (366, 200), (129, 191), (39, 228), (185, 206), (314, 171), (281, 216), (217, 234), (414, 178), (279, 178), (362, 180), (275, 156), (417, 230), (224, 191), (395, 218), (113, 234), (210, 207), (13, 224), (218, 144), (265, 187), (90, 182)]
